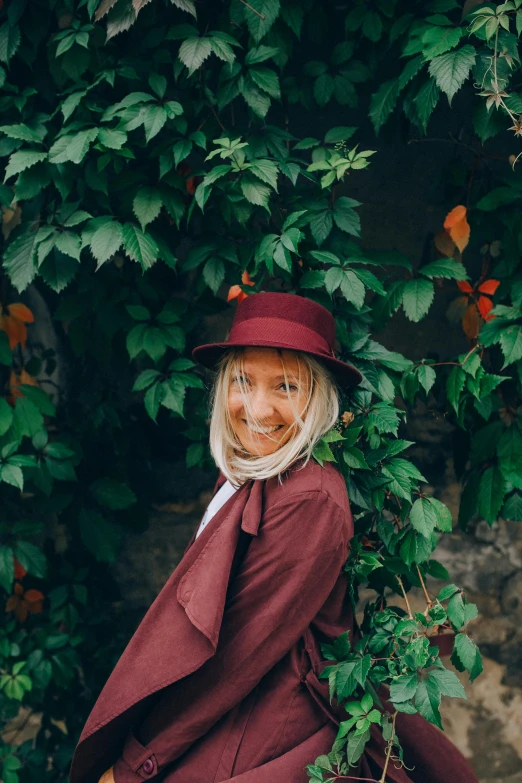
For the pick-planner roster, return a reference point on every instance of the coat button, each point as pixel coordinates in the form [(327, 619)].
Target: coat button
[(148, 766)]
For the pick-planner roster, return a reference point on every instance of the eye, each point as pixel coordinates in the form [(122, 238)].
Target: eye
[(239, 379), (289, 387)]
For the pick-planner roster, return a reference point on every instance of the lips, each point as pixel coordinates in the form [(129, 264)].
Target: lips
[(266, 431)]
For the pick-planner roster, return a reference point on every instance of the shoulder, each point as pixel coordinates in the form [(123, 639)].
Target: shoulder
[(309, 479)]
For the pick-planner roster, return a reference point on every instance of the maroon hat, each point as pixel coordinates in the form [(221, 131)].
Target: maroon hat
[(275, 320)]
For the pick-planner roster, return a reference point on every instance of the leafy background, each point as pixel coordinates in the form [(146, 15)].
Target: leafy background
[(162, 157)]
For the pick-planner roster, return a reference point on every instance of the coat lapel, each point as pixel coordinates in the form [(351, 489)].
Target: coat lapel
[(177, 635)]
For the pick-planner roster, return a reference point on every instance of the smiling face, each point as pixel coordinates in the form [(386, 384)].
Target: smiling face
[(262, 405)]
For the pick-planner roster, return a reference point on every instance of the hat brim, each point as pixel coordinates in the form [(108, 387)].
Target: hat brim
[(345, 375)]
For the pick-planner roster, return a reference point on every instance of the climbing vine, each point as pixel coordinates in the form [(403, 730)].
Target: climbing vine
[(162, 157)]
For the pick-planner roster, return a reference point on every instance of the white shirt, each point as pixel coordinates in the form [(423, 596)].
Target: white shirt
[(218, 501)]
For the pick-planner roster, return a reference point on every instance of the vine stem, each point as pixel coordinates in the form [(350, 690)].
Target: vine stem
[(405, 596), (261, 16), (426, 594), (388, 750)]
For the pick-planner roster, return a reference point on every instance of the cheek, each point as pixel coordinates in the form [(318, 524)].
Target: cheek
[(235, 404)]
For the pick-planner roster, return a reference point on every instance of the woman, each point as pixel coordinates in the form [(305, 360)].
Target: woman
[(220, 681)]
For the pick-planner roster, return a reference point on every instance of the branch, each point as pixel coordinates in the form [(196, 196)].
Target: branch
[(388, 750), (405, 596), (261, 16)]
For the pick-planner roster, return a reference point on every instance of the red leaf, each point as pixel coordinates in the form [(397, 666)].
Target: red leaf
[(464, 286), (489, 287), (485, 306)]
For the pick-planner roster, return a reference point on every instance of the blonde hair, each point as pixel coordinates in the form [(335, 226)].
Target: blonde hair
[(319, 415)]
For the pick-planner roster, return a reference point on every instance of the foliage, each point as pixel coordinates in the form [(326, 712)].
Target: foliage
[(159, 154)]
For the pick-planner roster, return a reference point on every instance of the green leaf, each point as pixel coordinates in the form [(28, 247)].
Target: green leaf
[(106, 241), (383, 103), (139, 246), (9, 41), (491, 493), (448, 683), (147, 205), (455, 385), (425, 102), (254, 191), (426, 376), (31, 558), (19, 260), (511, 344), (266, 79), (467, 653), (112, 494), (427, 701), (345, 216), (154, 119), (99, 536), (193, 52), (451, 70), (22, 160), (6, 567), (444, 518), (352, 289), (403, 688), (260, 15), (445, 268), (417, 298), (423, 517), (214, 273)]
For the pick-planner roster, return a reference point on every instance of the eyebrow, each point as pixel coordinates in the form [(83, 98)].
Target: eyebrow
[(289, 376)]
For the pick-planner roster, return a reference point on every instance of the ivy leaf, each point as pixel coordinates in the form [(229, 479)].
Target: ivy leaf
[(417, 297), (466, 653), (511, 344), (147, 205), (214, 273), (383, 103), (6, 567), (260, 15), (403, 688), (99, 536), (451, 70), (112, 494), (254, 191), (445, 268), (448, 683), (491, 493), (423, 517), (139, 246), (106, 241), (193, 52), (345, 216), (455, 385), (9, 41), (154, 119), (31, 558), (427, 701), (425, 102), (19, 260), (22, 160), (426, 376), (444, 518)]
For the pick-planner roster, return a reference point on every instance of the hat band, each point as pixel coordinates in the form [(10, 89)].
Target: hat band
[(264, 331)]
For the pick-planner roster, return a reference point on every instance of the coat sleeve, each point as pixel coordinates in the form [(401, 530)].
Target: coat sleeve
[(286, 576)]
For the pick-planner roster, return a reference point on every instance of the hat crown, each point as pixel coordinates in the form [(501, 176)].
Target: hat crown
[(288, 307)]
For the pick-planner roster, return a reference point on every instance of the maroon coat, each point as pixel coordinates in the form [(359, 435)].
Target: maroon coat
[(219, 682)]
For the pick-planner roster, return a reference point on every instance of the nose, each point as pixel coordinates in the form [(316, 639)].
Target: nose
[(262, 407)]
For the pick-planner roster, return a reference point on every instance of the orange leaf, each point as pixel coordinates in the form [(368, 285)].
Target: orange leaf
[(464, 286), (12, 603), (245, 279), (17, 380), (458, 227), (456, 215), (485, 306), (20, 311), (33, 596), (233, 292), (471, 322), (14, 329), (444, 243), (489, 287)]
